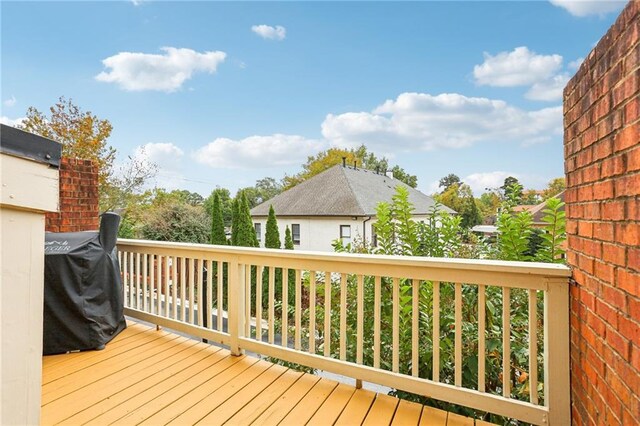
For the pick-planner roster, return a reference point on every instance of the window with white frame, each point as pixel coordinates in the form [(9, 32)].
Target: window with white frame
[(258, 227), (295, 233), (345, 234)]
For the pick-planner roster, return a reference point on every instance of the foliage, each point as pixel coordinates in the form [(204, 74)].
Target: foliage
[(84, 135), (551, 248), (530, 197), (235, 221), (459, 197), (177, 222), (272, 235), (123, 189), (226, 204), (288, 239), (440, 234), (554, 187), (449, 180), (81, 133), (264, 190), (217, 222), (510, 185), (488, 204), (326, 159), (245, 232), (188, 197), (514, 230)]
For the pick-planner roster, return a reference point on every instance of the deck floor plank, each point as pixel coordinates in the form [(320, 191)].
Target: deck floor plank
[(251, 411), (102, 389), (407, 413), (212, 400), (71, 382), (433, 417), (454, 419), (243, 399), (151, 376), (52, 362), (382, 411), (310, 403), (145, 391), (357, 409), (283, 406), (94, 357), (169, 395), (333, 406)]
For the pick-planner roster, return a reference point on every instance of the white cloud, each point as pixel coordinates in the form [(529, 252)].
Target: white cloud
[(257, 151), (166, 72), (589, 7), (164, 154), (420, 121), (168, 159), (521, 67), (574, 65), (479, 182), (10, 102), (268, 32), (548, 90), (13, 122)]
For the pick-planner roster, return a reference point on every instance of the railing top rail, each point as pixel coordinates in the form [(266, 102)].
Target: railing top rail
[(527, 268)]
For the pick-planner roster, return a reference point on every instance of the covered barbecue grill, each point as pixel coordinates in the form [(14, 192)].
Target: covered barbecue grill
[(83, 294)]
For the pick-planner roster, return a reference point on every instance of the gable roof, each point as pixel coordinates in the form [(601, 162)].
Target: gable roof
[(537, 212), (342, 191)]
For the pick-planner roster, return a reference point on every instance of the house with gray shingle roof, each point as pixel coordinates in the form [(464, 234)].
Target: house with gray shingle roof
[(337, 203)]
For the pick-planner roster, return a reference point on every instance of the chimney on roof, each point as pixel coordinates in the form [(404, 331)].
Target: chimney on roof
[(377, 170), (389, 174), (355, 165), (344, 161)]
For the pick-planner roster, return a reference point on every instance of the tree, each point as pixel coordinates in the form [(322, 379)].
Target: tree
[(470, 213), (326, 159), (192, 198), (449, 180), (554, 187), (217, 222), (235, 221), (272, 235), (81, 133), (124, 188), (488, 204), (84, 135), (512, 184), (246, 233), (288, 240), (459, 197), (177, 222), (226, 204), (530, 197), (267, 188)]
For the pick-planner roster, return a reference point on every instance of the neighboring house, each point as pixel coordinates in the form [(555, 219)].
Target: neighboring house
[(339, 203), (537, 211)]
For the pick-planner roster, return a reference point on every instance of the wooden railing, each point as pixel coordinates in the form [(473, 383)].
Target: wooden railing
[(276, 303)]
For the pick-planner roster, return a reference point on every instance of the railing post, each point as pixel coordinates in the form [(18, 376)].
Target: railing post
[(236, 314), (557, 391)]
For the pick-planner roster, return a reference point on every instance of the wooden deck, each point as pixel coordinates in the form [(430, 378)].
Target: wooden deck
[(145, 376)]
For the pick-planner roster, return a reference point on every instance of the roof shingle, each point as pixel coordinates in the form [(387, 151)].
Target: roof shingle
[(342, 191)]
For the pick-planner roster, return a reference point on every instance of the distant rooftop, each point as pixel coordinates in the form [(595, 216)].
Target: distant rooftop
[(343, 191)]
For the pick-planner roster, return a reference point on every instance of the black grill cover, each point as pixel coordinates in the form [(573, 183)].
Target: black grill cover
[(83, 294)]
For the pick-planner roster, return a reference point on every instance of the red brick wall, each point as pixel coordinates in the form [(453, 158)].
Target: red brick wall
[(78, 197), (602, 165)]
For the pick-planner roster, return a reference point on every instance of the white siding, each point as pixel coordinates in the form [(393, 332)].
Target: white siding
[(28, 189)]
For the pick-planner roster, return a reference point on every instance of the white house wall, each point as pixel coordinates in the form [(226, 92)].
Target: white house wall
[(318, 233)]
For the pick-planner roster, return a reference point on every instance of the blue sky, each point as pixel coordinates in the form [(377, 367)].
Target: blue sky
[(223, 94)]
